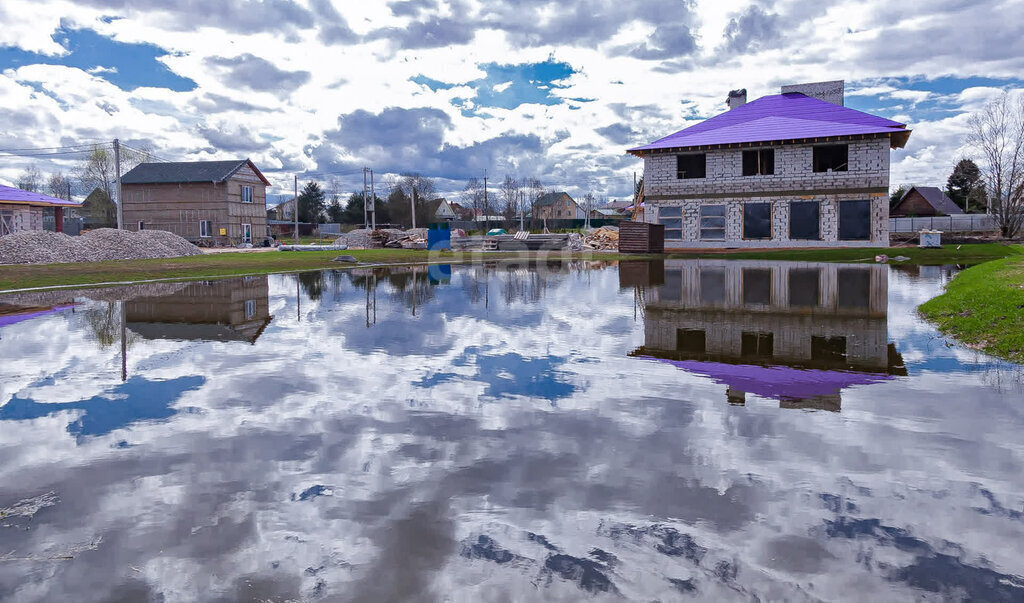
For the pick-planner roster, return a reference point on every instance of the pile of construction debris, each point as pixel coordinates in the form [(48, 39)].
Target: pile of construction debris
[(604, 238), (44, 247), (390, 238)]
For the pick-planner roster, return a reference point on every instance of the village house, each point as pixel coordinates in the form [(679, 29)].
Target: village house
[(925, 201), (797, 169), (440, 210), (207, 202), (557, 206), (22, 210)]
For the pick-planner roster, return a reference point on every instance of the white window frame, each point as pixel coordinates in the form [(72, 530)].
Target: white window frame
[(142, 225), (247, 194), (207, 226), (250, 308), (249, 228)]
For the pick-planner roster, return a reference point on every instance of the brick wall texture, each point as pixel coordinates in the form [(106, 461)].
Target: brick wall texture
[(867, 178)]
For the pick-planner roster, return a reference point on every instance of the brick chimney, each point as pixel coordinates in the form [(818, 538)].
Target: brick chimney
[(737, 98)]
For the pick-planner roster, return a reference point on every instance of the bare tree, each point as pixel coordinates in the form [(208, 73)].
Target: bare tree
[(473, 196), (510, 196), (30, 180), (58, 185), (997, 133), (97, 170), (536, 192)]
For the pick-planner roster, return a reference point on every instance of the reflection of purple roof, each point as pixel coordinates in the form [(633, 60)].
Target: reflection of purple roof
[(777, 382), (780, 117), (11, 319), (9, 194)]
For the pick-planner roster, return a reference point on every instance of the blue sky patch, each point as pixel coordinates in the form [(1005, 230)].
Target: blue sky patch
[(509, 86), (127, 66)]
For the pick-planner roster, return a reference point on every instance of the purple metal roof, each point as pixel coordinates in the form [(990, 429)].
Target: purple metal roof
[(777, 381), (10, 319), (779, 117), (9, 194)]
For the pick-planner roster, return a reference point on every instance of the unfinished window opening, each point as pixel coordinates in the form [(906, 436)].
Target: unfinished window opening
[(757, 220), (757, 345), (712, 286), (757, 286), (6, 222), (805, 221), (712, 222), (854, 288), (759, 163), (805, 287), (831, 158), (828, 350), (691, 166), (691, 341), (205, 229), (855, 220), (672, 218)]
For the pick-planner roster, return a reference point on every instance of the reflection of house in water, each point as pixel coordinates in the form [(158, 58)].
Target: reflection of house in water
[(795, 332), (235, 309)]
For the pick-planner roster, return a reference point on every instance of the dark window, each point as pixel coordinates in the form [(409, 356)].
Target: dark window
[(712, 222), (757, 220), (759, 163), (691, 166), (142, 225), (690, 341), (757, 345), (804, 221), (757, 286), (672, 290), (672, 218), (828, 349), (712, 286), (854, 288), (831, 157), (804, 287), (854, 220)]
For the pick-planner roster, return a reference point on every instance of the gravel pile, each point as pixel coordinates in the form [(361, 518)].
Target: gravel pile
[(43, 247)]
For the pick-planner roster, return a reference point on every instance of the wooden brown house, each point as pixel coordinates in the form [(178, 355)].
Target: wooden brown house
[(211, 202), (925, 201)]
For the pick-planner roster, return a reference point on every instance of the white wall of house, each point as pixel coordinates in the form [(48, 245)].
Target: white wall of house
[(866, 179)]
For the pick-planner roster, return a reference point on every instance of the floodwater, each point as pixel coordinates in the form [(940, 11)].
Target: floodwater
[(651, 431)]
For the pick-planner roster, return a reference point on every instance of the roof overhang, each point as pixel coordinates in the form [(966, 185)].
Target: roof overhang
[(897, 140)]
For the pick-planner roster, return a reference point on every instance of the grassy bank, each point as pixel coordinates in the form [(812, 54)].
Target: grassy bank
[(232, 264), (983, 307)]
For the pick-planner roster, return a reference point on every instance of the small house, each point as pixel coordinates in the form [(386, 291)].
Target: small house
[(922, 201), (796, 169), (440, 210), (22, 210), (206, 202), (557, 206)]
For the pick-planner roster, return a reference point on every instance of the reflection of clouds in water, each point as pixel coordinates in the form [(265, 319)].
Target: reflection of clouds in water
[(642, 481)]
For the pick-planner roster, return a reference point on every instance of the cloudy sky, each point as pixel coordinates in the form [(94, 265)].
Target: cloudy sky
[(554, 89)]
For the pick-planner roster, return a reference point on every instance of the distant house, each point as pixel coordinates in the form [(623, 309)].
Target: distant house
[(462, 212), (22, 210), (795, 169), (216, 202), (925, 201), (607, 213), (98, 211), (441, 210), (557, 206), (285, 210)]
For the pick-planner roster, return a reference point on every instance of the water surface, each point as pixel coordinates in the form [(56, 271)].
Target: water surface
[(651, 431)]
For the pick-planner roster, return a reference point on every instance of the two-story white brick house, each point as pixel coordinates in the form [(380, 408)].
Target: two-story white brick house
[(796, 169)]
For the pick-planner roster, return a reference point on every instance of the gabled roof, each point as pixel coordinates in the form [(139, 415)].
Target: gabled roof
[(778, 118), (187, 171), (936, 198), (9, 194), (550, 198)]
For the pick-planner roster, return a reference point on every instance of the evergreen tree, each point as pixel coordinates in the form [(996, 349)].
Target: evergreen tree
[(311, 203), (964, 185)]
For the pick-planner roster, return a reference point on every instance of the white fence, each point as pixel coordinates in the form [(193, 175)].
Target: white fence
[(961, 223)]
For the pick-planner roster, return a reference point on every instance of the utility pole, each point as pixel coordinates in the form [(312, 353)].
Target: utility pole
[(117, 168), (413, 207), (373, 214), (366, 220), (296, 236)]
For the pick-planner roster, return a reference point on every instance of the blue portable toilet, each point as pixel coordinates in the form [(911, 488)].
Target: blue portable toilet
[(439, 236), (439, 274)]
